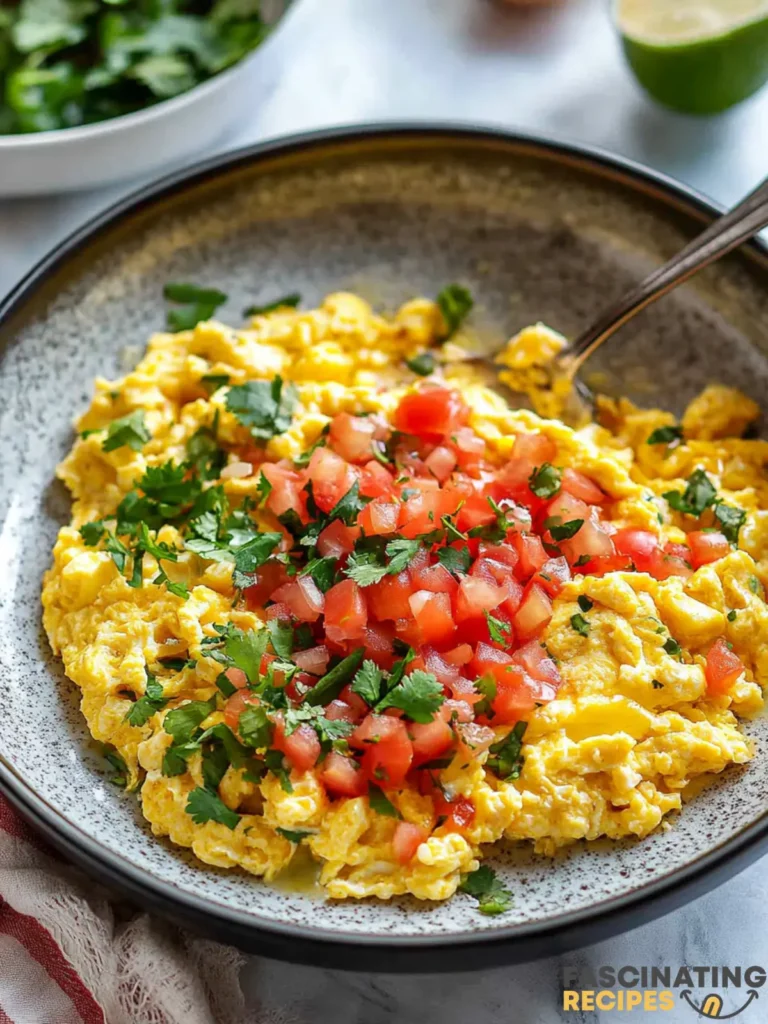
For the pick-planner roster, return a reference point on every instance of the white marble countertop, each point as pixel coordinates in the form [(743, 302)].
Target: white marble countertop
[(559, 71)]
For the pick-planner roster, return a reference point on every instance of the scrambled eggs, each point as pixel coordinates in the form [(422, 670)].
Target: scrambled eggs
[(610, 754)]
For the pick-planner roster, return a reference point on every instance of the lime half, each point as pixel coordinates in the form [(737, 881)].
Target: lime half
[(698, 56)]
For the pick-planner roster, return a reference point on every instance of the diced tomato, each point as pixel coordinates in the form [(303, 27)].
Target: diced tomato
[(491, 571), (379, 517), (406, 841), (461, 655), (343, 776), (513, 477), (459, 813), (436, 663), (474, 512), (331, 478), (534, 449), (279, 610), (432, 411), (351, 437), (340, 711), (553, 575), (337, 540), (377, 640), (474, 739), (530, 552), (422, 513), (601, 566), (303, 597), (376, 481), (475, 597), (538, 664), (408, 631), (672, 562), (470, 449), (314, 660), (388, 599), (590, 542), (433, 616), (534, 613), (435, 578), (503, 553), (515, 696), (430, 740), (388, 750), (302, 747), (355, 701), (287, 490), (722, 668), (457, 710), (642, 546), (707, 547), (490, 661), (582, 487), (345, 612), (235, 706), (564, 507), (269, 577), (441, 462), (513, 600), (237, 677)]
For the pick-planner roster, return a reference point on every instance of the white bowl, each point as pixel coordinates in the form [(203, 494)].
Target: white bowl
[(137, 143)]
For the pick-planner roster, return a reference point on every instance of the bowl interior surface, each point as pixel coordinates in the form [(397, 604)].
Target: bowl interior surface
[(536, 235)]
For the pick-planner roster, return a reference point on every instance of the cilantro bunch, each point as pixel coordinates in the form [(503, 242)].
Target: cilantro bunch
[(71, 62)]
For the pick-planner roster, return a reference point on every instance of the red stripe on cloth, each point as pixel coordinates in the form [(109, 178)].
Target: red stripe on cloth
[(40, 945), (13, 823), (4, 1018)]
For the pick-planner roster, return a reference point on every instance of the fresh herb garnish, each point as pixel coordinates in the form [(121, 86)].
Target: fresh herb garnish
[(505, 757), (672, 647), (153, 701), (545, 480), (731, 616), (333, 682), (196, 304), (423, 364), (560, 530), (380, 803), (492, 895), (731, 520), (584, 602), (580, 624), (291, 300), (368, 682), (699, 494), (455, 302), (204, 805), (263, 406), (456, 560), (127, 432), (657, 685), (498, 629), (665, 435), (419, 695), (292, 835)]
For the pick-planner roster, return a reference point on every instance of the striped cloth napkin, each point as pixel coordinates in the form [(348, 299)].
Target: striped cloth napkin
[(70, 956)]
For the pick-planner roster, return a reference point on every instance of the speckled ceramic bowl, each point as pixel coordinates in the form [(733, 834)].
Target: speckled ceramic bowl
[(539, 231)]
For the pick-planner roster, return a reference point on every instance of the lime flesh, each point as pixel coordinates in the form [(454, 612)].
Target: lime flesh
[(697, 56)]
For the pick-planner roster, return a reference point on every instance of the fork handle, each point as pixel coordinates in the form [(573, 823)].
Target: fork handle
[(724, 234)]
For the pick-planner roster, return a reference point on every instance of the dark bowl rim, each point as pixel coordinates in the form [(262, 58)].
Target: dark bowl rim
[(370, 951)]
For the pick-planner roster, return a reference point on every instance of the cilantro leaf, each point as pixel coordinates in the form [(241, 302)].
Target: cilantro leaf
[(506, 759), (263, 406), (204, 806), (349, 505), (127, 432), (401, 553), (381, 803), (281, 635), (665, 435), (491, 894), (580, 624), (584, 602), (365, 568), (153, 701), (204, 454), (419, 695), (487, 686), (213, 381), (697, 496), (245, 650), (292, 835), (193, 293), (322, 571), (455, 560), (455, 302), (181, 722), (274, 761), (731, 520), (499, 629), (93, 532), (423, 364), (255, 727), (368, 682), (672, 647), (251, 556), (560, 530), (545, 480), (291, 300), (329, 686), (116, 761), (302, 461)]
